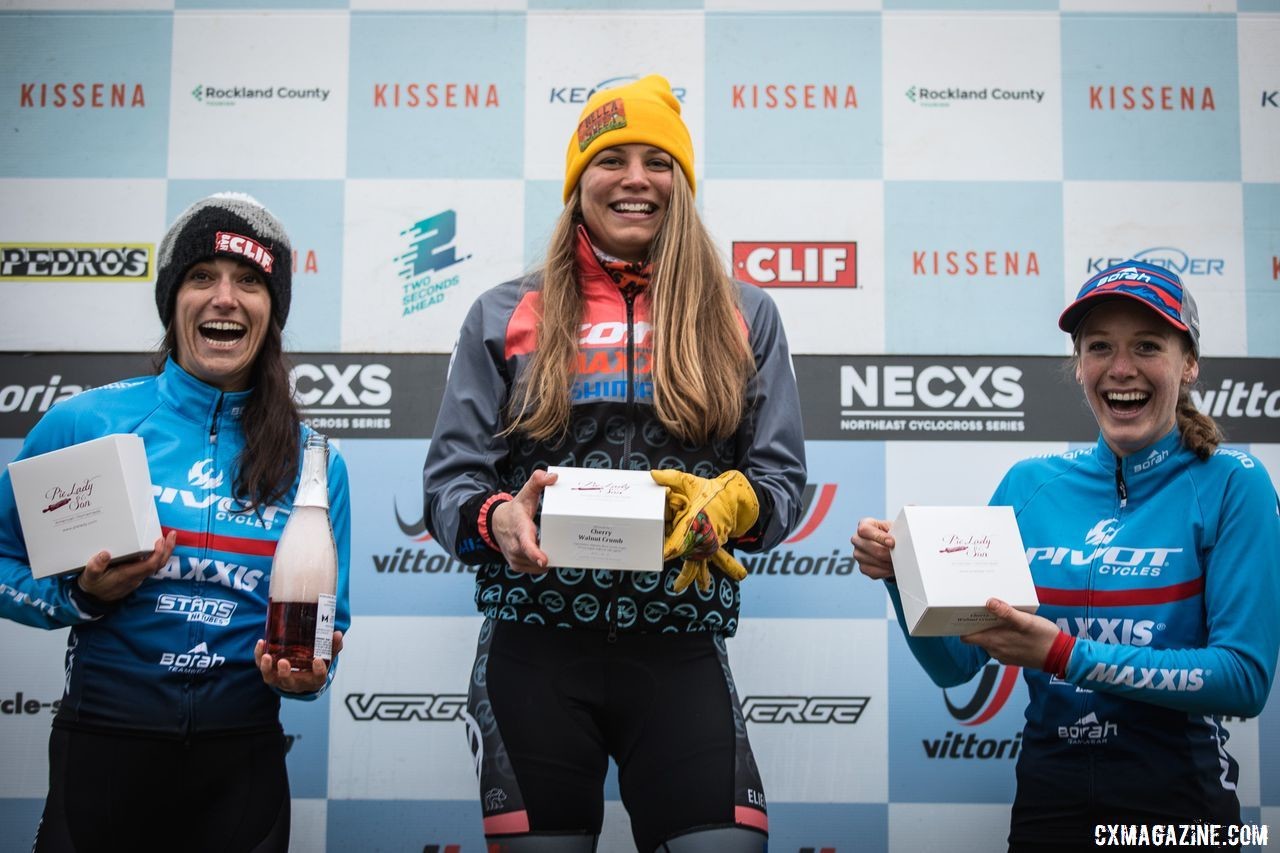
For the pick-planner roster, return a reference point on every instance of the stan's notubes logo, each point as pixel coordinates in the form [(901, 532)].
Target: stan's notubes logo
[(76, 261)]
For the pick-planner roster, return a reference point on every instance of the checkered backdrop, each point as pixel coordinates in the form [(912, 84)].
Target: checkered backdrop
[(922, 184)]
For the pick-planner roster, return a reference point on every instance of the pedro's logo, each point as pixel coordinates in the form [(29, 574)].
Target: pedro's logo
[(83, 262)]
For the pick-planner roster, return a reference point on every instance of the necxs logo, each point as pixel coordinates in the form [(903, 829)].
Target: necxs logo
[(804, 709), (937, 386), (317, 387), (399, 707), (210, 611), (792, 264)]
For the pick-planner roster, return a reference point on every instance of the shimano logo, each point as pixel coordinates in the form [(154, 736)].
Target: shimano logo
[(937, 386), (398, 707), (197, 659), (1103, 532), (1156, 457), (1117, 632), (804, 709), (1245, 460), (210, 611), (1088, 730), (201, 475), (1154, 678)]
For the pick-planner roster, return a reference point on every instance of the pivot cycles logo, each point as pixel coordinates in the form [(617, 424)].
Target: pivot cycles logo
[(1107, 559), (932, 398), (200, 492), (793, 96), (804, 709), (402, 707), (430, 252), (989, 697), (229, 96), (988, 263), (797, 264), (210, 611), (81, 95), (817, 500), (926, 96), (1149, 98), (436, 96), (578, 95), (1170, 257), (82, 262), (21, 704), (332, 396)]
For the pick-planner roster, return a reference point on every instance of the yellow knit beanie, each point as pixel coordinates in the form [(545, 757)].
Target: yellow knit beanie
[(644, 111)]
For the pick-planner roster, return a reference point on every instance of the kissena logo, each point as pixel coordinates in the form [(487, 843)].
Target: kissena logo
[(972, 263), (578, 95), (430, 251), (989, 697), (804, 709), (797, 264), (401, 707), (83, 262), (1169, 257), (81, 95), (436, 96), (793, 96), (209, 611), (1168, 98)]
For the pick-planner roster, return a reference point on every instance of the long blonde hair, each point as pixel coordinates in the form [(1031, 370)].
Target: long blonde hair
[(701, 360)]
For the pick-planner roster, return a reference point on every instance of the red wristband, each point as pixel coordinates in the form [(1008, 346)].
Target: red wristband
[(486, 509), (1055, 663)]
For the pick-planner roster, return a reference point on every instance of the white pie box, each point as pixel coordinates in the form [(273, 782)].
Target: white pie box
[(596, 518), (83, 499), (949, 560)]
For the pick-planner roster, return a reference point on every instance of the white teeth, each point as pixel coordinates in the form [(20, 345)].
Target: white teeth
[(222, 326), (634, 207), (1127, 396)]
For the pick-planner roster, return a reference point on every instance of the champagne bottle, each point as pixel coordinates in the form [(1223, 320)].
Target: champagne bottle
[(304, 572)]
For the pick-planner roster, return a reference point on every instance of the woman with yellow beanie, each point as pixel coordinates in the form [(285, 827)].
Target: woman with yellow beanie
[(629, 348)]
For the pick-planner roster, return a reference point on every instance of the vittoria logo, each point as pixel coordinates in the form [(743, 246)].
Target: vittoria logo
[(1234, 399), (430, 251), (992, 693), (792, 96), (582, 94), (417, 530), (83, 262), (804, 709), (445, 96), (1169, 257), (797, 264), (1167, 98), (36, 398), (305, 262), (81, 95), (817, 499), (225, 96), (933, 262), (238, 244), (400, 707), (817, 502)]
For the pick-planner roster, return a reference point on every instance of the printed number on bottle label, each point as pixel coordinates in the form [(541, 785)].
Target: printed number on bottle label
[(327, 608)]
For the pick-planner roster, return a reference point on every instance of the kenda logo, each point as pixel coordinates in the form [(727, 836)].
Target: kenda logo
[(581, 94), (230, 575), (936, 387), (1168, 257), (399, 707), (83, 262), (201, 475), (797, 264), (804, 709), (197, 659), (1234, 399), (1152, 460), (1103, 532), (1172, 680), (210, 611), (1088, 730), (1110, 560), (1116, 632)]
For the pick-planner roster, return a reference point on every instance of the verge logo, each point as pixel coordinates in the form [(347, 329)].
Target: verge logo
[(81, 95), (804, 709), (792, 96), (1169, 257), (228, 96), (83, 262), (582, 94), (343, 396), (926, 97), (1147, 98), (797, 264), (446, 96), (399, 707), (937, 398), (431, 250)]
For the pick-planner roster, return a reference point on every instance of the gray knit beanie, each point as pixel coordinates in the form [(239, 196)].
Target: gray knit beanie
[(231, 225)]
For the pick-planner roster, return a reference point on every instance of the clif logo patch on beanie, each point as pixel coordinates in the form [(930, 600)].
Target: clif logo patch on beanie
[(604, 118), (238, 244)]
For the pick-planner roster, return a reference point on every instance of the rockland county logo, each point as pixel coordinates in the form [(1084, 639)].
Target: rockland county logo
[(229, 96), (431, 250), (83, 262), (923, 96)]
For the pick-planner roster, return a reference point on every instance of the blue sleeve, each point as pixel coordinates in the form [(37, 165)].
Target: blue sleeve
[(1232, 674), (53, 602), (340, 517), (947, 661)]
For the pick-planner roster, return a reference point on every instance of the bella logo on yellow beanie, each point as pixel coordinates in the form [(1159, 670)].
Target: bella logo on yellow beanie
[(604, 118)]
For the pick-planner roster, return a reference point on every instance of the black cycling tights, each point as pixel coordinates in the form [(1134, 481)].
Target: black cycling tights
[(111, 792)]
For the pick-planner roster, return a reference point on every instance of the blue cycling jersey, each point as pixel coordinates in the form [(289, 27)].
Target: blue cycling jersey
[(1166, 569), (175, 657)]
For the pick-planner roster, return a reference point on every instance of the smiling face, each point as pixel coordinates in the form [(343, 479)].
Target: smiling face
[(625, 191), (1131, 365), (220, 319)]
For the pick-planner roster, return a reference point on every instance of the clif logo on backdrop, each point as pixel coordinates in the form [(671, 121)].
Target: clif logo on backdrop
[(82, 95), (1163, 98), (83, 262), (797, 264)]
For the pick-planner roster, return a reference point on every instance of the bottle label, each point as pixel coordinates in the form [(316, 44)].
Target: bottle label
[(327, 608)]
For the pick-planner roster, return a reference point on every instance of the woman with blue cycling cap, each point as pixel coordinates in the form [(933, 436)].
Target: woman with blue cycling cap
[(167, 689), (630, 348), (1156, 558)]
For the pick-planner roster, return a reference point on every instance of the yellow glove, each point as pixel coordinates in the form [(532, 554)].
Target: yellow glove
[(701, 516)]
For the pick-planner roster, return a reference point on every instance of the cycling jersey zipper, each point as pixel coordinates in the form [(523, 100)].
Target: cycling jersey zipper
[(628, 297)]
